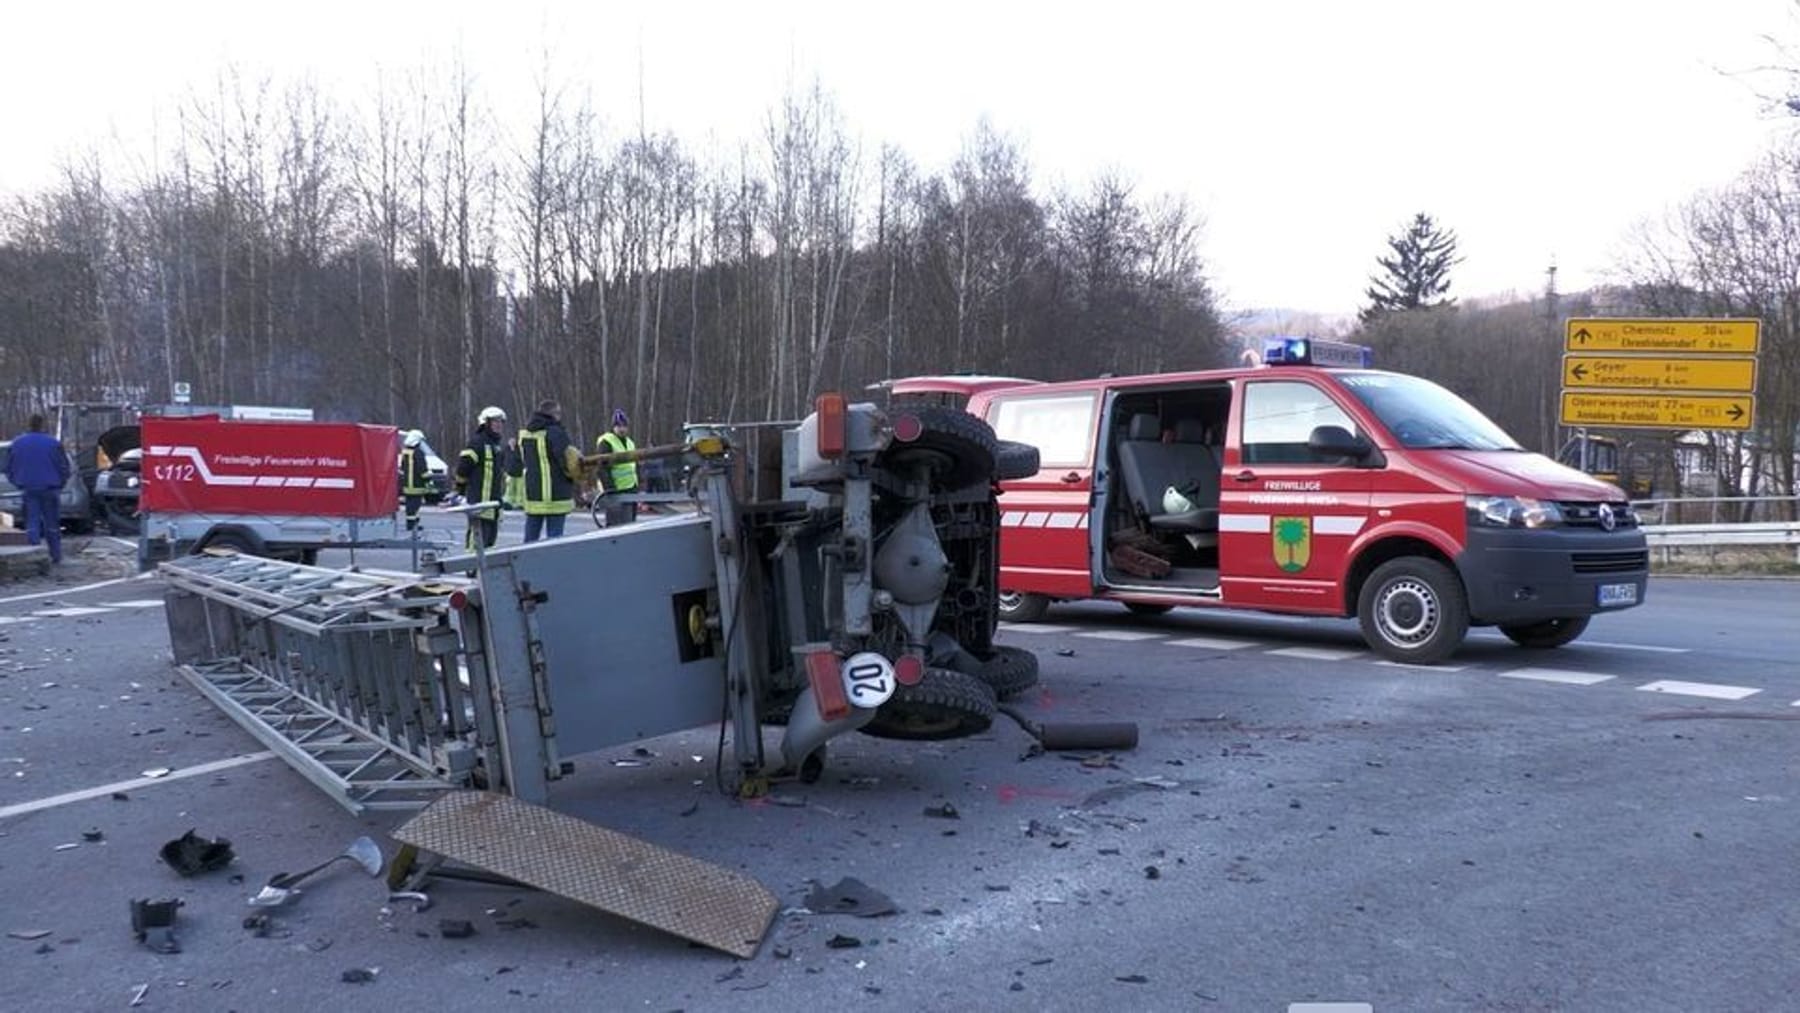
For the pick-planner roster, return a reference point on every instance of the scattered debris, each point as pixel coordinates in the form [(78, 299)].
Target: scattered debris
[(843, 943), (359, 975), (731, 975), (318, 945), (1157, 781), (258, 925), (1378, 832), (272, 896), (1065, 652), (158, 772), (1132, 979), (1037, 829), (29, 935), (137, 996), (419, 901), (67, 847), (790, 801), (153, 924), (629, 763), (861, 782), (455, 928), (1152, 872), (191, 854), (516, 923), (1100, 761), (363, 851), (690, 810), (943, 812), (92, 836), (1017, 986), (849, 896), (782, 953), (119, 796)]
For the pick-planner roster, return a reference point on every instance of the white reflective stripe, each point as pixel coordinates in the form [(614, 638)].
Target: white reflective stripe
[(1065, 519), (1247, 523), (1012, 518), (1083, 521), (1036, 519), (333, 483), (1338, 525), (207, 477), (299, 483), (269, 480)]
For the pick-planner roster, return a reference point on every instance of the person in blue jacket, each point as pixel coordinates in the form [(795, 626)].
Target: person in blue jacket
[(39, 468)]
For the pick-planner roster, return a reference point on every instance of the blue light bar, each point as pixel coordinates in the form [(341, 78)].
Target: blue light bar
[(1313, 352)]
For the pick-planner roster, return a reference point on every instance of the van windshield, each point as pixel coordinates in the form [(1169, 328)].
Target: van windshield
[(1423, 416)]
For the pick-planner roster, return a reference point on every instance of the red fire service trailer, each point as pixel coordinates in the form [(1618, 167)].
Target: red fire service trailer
[(280, 489)]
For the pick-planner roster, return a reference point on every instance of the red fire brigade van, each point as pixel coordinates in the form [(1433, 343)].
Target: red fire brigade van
[(1310, 485)]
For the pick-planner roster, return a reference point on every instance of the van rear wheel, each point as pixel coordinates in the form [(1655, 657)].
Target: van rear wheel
[(1022, 606), (1413, 610), (1544, 635)]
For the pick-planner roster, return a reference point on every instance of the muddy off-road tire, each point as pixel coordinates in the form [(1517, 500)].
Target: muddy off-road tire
[(944, 705), (1010, 671), (958, 448), (1014, 461)]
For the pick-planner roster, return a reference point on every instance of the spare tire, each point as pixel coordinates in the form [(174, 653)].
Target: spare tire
[(1011, 671), (944, 705), (958, 449), (1015, 461)]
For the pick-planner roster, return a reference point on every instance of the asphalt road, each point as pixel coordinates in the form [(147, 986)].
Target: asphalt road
[(1574, 829)]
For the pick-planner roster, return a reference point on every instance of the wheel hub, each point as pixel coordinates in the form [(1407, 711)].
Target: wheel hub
[(1408, 612)]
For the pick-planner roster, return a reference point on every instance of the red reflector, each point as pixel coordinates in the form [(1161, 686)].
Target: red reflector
[(909, 670), (459, 600), (908, 428), (822, 671), (834, 436)]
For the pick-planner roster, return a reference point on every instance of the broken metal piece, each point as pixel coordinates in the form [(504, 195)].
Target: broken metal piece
[(363, 851), (191, 854), (850, 896), (359, 975), (455, 928), (420, 901), (272, 896), (153, 924)]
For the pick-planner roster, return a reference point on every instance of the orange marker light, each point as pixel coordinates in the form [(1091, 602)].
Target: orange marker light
[(834, 434)]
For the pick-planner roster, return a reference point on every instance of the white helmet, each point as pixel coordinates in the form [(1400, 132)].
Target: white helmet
[(1176, 503), (489, 414), (414, 437)]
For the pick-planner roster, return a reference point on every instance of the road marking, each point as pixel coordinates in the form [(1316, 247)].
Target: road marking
[(137, 782), (138, 603), (1035, 628), (70, 612), (8, 620), (1499, 638), (1213, 643), (1122, 635), (128, 543), (1316, 653), (1556, 675), (1710, 690), (1634, 647), (1422, 668), (65, 591)]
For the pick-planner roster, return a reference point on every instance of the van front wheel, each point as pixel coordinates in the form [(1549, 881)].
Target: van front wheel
[(1022, 606), (1413, 610)]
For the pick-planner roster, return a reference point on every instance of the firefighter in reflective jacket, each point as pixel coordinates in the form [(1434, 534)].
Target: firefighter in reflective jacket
[(622, 477), (415, 476), (481, 471), (552, 467)]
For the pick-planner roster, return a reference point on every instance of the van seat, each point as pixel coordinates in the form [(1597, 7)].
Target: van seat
[(1150, 467)]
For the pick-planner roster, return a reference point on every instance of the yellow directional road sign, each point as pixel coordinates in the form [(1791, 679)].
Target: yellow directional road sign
[(1690, 336), (1660, 372), (1659, 411)]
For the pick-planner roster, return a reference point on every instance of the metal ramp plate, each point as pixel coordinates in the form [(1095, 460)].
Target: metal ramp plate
[(602, 868)]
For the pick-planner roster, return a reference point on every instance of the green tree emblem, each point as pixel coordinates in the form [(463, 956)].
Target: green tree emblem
[(1291, 534)]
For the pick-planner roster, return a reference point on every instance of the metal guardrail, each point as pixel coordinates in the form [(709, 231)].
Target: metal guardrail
[(1669, 537)]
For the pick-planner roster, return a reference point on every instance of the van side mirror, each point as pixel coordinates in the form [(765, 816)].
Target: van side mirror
[(1336, 441)]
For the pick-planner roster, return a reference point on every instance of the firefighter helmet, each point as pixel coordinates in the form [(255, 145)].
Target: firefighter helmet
[(1176, 502), (414, 437), (490, 414)]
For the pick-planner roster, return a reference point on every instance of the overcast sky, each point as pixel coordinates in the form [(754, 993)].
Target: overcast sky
[(1304, 132)]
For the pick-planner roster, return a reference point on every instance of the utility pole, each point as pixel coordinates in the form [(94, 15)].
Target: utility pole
[(1549, 427)]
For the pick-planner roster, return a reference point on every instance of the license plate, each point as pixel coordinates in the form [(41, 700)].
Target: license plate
[(1614, 595)]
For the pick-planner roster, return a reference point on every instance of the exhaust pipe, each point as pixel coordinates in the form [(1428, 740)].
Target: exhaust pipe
[(1077, 735), (807, 732)]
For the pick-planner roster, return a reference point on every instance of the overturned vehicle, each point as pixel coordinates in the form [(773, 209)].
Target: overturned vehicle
[(837, 575)]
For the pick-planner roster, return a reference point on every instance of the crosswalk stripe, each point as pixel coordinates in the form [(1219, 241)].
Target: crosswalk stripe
[(1213, 643), (1316, 653), (1556, 675), (1422, 668), (1035, 628), (1121, 635), (1710, 690)]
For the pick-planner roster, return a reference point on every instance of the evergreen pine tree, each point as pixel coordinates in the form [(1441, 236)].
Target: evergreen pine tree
[(1416, 271)]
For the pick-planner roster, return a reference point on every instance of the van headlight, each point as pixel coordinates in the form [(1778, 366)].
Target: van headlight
[(1513, 512)]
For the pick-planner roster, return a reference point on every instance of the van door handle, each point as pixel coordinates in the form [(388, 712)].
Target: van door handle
[(1245, 476), (1072, 477)]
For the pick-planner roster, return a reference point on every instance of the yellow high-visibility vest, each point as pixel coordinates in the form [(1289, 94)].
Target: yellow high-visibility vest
[(623, 474)]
